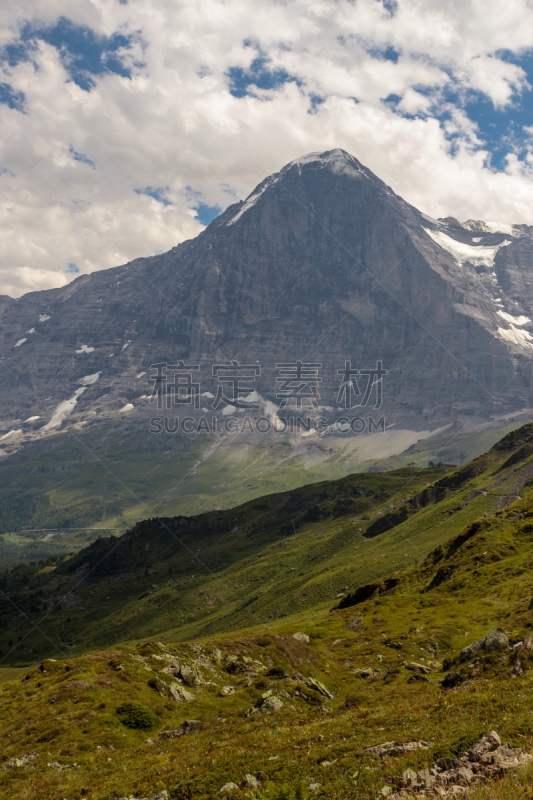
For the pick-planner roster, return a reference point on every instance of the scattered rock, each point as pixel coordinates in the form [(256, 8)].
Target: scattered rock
[(187, 727), (192, 726), (393, 644), (396, 748), (229, 787), (416, 678), (301, 637), (486, 745), (313, 787), (486, 760), (318, 686), (226, 690), (179, 694), (267, 702), (190, 674), (249, 782), (496, 640), (415, 667), (493, 641), (364, 672), (355, 625), (20, 762), (451, 680)]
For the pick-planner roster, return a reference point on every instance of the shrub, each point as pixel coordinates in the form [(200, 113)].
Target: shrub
[(134, 715)]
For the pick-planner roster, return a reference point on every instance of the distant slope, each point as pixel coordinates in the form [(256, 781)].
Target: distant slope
[(267, 559), (110, 479)]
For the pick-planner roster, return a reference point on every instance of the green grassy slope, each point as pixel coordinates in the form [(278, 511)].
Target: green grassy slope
[(77, 483), (71, 720), (284, 553)]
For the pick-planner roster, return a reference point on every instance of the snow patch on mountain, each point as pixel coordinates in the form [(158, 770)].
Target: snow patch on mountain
[(20, 341), (252, 199), (11, 434), (513, 320), (466, 252), (88, 380), (517, 336), (338, 160), (63, 410)]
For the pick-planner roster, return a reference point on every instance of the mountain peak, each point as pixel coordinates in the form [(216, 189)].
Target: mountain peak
[(337, 159), (326, 157)]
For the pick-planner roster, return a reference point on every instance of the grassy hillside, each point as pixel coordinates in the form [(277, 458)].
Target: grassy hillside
[(266, 559), (295, 714), (60, 493)]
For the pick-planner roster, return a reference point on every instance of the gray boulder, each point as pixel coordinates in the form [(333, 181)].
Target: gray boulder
[(486, 745), (493, 641), (355, 625), (496, 640), (229, 787), (249, 782), (469, 652)]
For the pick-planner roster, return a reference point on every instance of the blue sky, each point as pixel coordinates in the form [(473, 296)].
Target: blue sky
[(130, 127)]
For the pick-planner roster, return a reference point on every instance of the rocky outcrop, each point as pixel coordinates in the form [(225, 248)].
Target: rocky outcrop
[(391, 749), (494, 641), (486, 760)]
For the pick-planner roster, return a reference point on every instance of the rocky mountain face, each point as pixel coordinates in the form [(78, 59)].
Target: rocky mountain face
[(323, 264)]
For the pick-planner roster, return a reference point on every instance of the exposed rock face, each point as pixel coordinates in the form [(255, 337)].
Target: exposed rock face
[(493, 641), (488, 759), (324, 263)]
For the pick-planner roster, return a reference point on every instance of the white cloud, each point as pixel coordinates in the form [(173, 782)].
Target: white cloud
[(176, 127)]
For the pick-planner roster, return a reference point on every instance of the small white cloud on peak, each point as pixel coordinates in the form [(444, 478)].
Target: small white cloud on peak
[(499, 227), (487, 227), (326, 157)]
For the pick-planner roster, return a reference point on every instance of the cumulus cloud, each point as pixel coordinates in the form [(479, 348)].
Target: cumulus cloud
[(107, 154)]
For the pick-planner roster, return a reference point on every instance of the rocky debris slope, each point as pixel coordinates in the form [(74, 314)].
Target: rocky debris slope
[(486, 760)]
